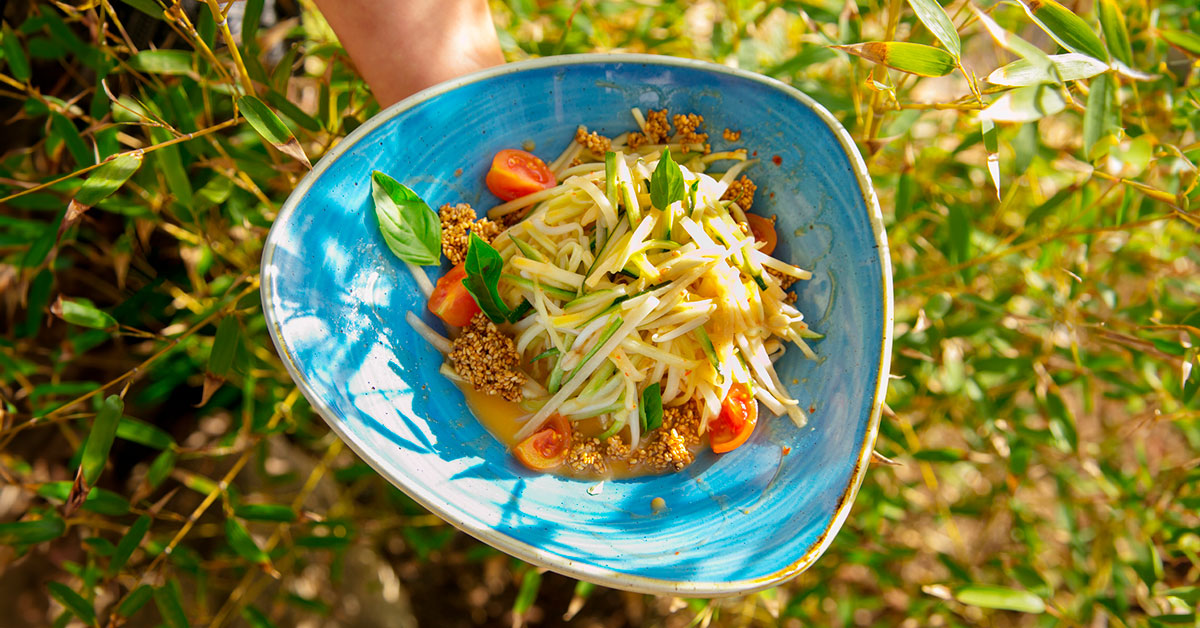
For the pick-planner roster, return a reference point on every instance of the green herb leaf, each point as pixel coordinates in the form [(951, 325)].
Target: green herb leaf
[(411, 229), (988, 596), (651, 410), (128, 543), (666, 183), (1069, 67), (483, 266), (1116, 34), (934, 17), (30, 532), (271, 128), (1025, 104), (81, 312), (265, 512), (520, 311), (1066, 28), (72, 601), (1098, 118), (100, 438), (916, 59), (242, 543)]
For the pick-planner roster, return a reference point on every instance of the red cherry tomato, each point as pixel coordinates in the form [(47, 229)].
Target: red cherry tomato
[(450, 300), (546, 448), (764, 231), (516, 173), (731, 428)]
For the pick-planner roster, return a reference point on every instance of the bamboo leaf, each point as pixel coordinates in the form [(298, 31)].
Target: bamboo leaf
[(72, 601), (128, 543), (531, 582), (65, 129), (1098, 117), (108, 178), (242, 543), (1025, 104), (100, 438), (1116, 35), (30, 532), (135, 600), (934, 17), (136, 431), (256, 618), (988, 596), (160, 468), (149, 7), (1066, 28), (1017, 46), (18, 62), (271, 128), (170, 604), (1187, 42), (1070, 67), (81, 312), (265, 512), (170, 62), (992, 145), (224, 346), (916, 59)]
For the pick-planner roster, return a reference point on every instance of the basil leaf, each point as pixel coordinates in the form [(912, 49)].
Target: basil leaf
[(666, 184), (411, 229), (520, 311), (483, 266), (651, 410)]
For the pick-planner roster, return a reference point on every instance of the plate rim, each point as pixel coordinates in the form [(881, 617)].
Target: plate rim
[(524, 551)]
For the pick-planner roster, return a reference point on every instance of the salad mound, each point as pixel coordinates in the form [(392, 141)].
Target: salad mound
[(622, 295)]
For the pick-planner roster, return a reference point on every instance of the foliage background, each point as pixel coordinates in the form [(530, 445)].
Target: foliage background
[(1043, 423)]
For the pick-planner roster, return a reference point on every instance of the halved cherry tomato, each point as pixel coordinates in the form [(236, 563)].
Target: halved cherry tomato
[(450, 300), (516, 173), (546, 448), (764, 231), (731, 428)]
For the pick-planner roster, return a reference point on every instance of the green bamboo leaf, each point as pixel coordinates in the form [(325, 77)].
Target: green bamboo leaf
[(1070, 67), (265, 512), (1116, 35), (1025, 104), (142, 433), (170, 604), (531, 582), (98, 500), (100, 438), (160, 468), (242, 543), (135, 600), (934, 17), (916, 59), (1066, 28), (988, 596), (30, 532), (66, 130), (251, 16), (289, 109), (18, 63), (149, 7), (1017, 46), (81, 312), (256, 618), (224, 346), (170, 62), (108, 177), (271, 128), (991, 144), (1098, 118), (128, 543), (72, 601), (169, 161), (1187, 42)]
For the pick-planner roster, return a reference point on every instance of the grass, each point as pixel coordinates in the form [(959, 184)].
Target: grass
[(1042, 419)]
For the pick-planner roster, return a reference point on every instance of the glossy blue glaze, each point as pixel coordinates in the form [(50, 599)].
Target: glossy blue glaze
[(336, 299)]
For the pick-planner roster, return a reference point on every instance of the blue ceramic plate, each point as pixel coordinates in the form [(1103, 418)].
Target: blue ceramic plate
[(335, 298)]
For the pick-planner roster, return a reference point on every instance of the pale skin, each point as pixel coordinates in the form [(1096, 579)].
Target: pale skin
[(403, 46)]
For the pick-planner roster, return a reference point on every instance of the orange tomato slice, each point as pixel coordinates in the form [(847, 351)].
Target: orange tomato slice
[(739, 414), (450, 300), (516, 173), (547, 447), (764, 231)]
